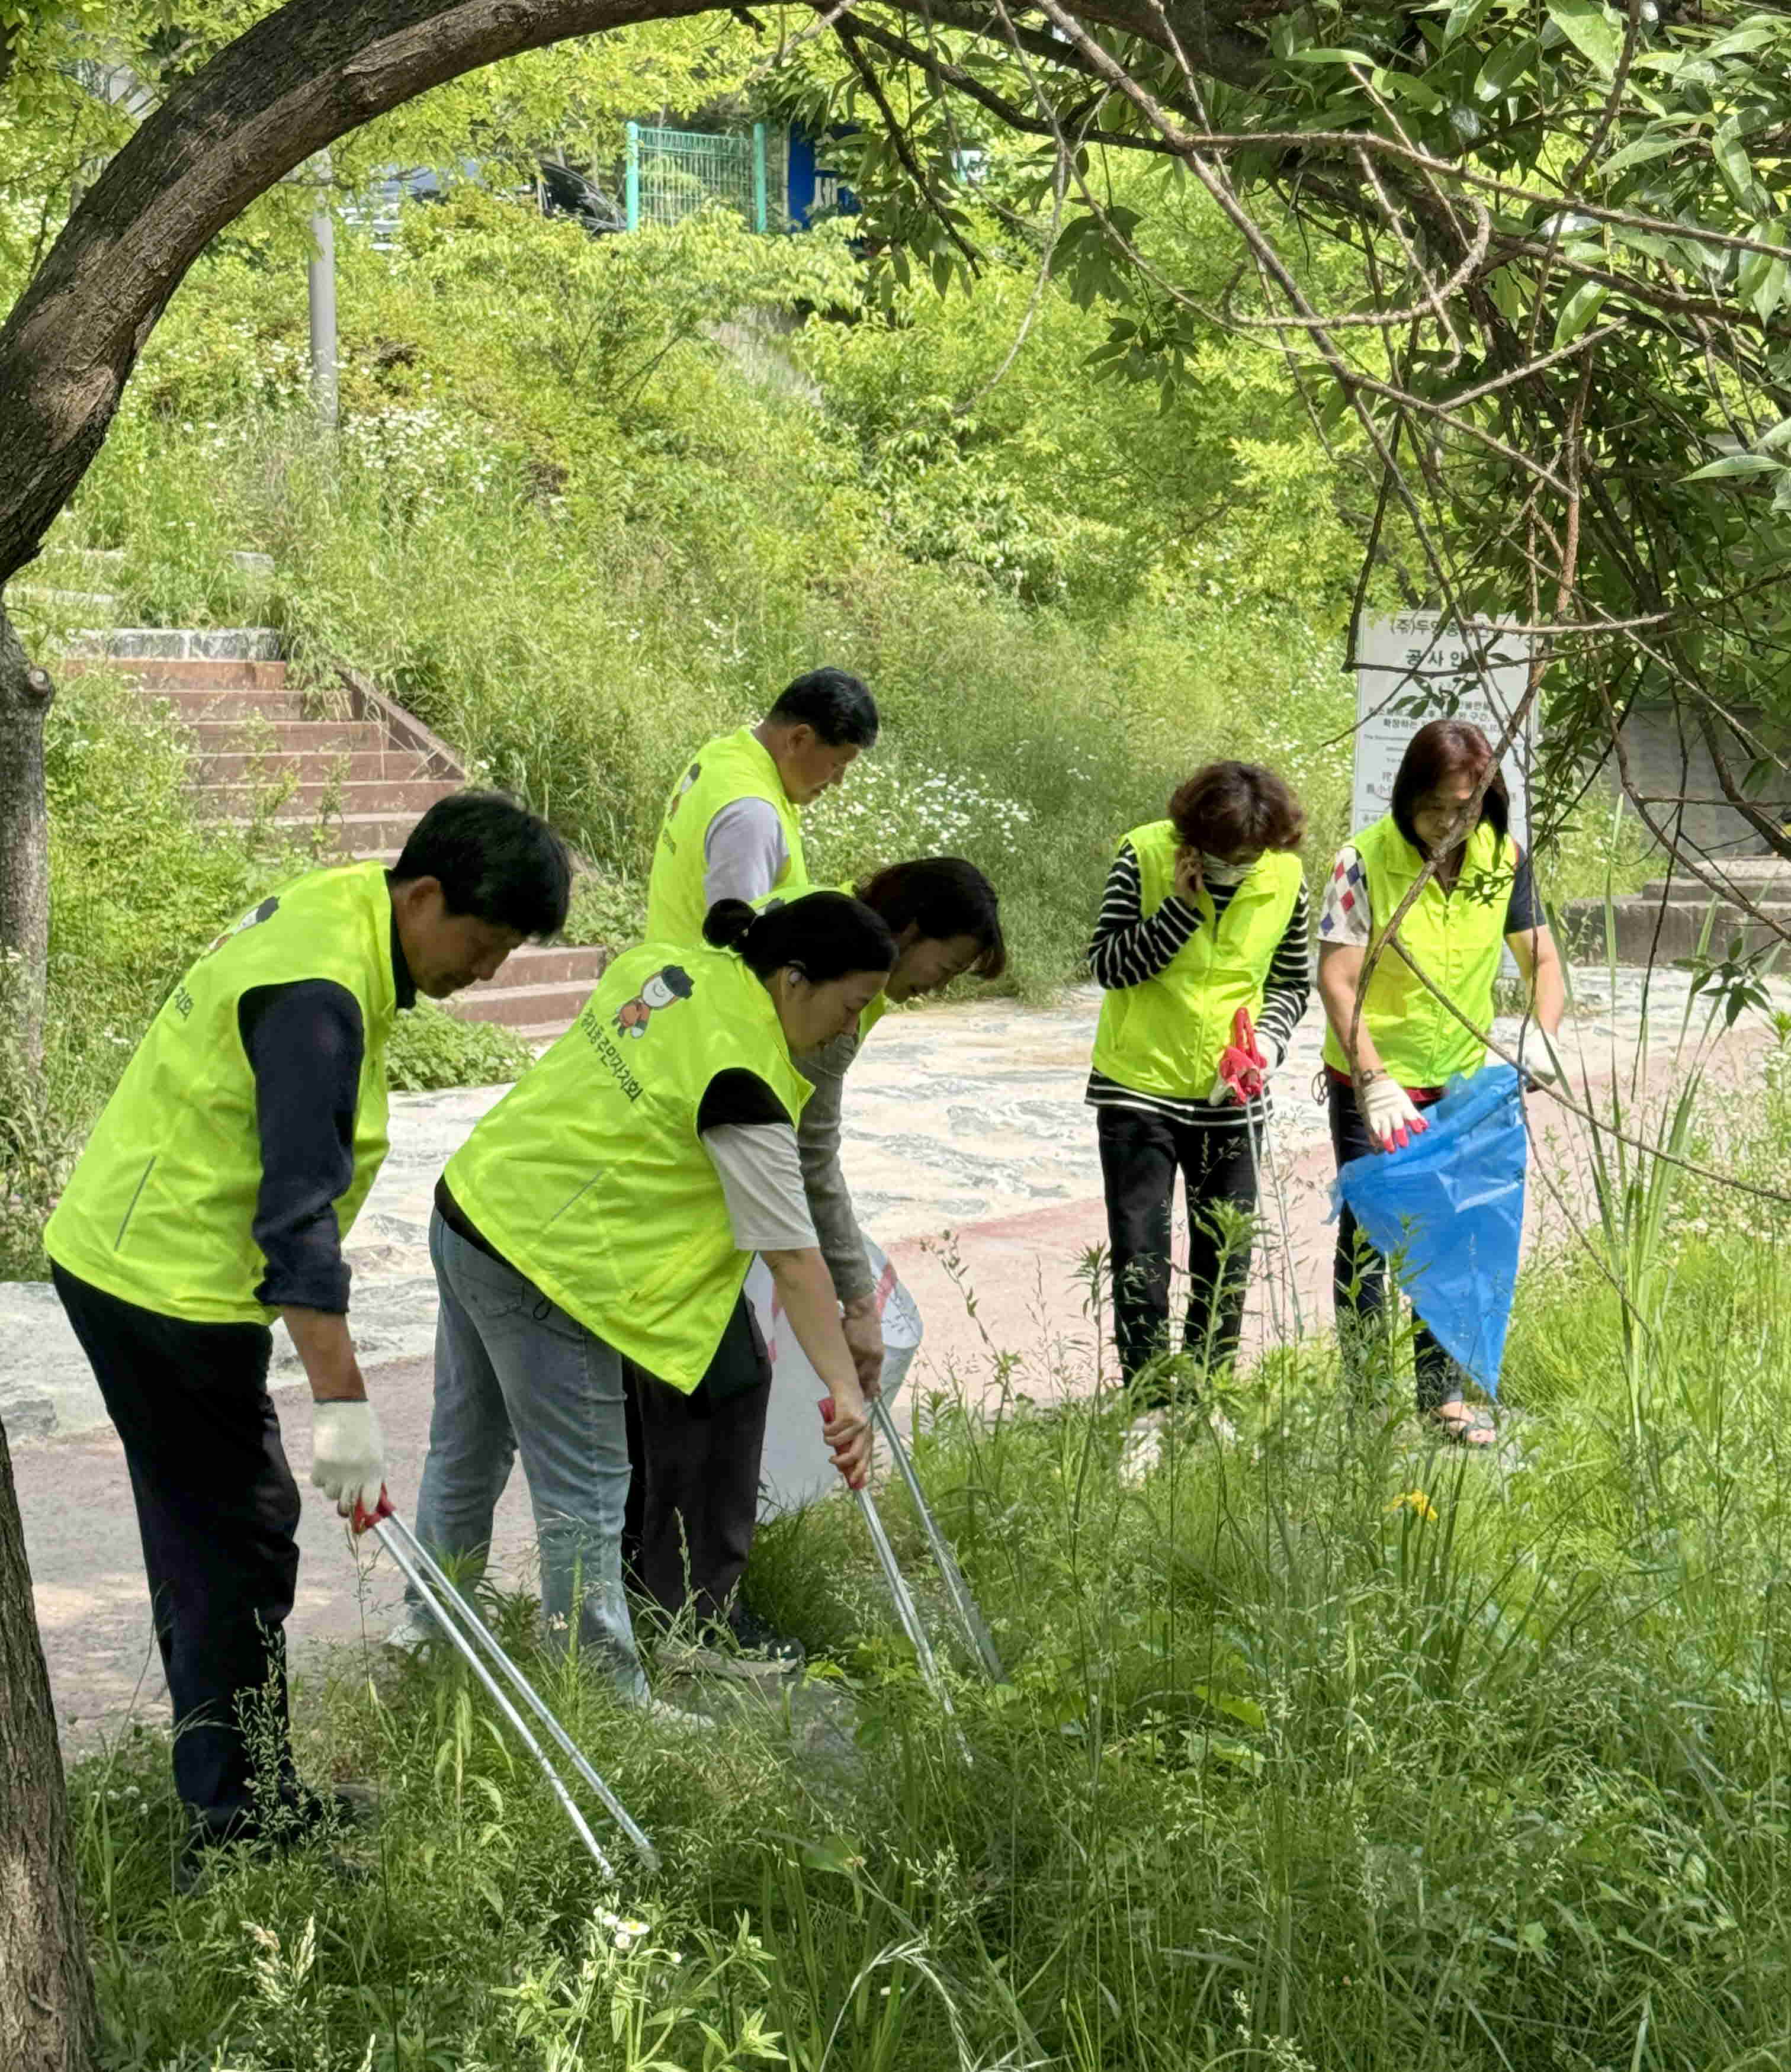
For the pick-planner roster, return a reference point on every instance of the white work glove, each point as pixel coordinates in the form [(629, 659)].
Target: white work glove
[(1392, 1116), (348, 1456)]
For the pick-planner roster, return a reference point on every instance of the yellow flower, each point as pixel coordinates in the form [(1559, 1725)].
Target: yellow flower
[(1414, 1500)]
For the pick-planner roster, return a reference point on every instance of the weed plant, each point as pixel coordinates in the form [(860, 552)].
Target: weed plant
[(1329, 1748)]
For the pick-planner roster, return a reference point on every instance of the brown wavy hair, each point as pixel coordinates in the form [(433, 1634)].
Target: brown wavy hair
[(1226, 808)]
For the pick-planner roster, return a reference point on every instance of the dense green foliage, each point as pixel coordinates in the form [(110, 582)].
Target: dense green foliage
[(1323, 1751)]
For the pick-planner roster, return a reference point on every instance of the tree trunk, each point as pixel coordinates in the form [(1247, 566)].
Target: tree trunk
[(25, 696), (46, 2016)]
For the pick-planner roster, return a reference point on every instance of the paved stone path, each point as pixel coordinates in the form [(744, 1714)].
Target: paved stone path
[(964, 1120)]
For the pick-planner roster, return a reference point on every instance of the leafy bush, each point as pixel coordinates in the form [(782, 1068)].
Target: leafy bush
[(139, 884), (431, 1049)]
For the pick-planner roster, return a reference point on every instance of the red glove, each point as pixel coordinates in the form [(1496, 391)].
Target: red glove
[(362, 1519), (1243, 1070)]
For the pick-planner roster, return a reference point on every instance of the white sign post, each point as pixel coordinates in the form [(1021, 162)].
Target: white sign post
[(1417, 668)]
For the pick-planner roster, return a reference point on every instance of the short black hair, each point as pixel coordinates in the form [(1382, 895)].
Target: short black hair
[(835, 703), (941, 896), (494, 860), (825, 935)]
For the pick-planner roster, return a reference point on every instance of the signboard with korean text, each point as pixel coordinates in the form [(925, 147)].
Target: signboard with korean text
[(1416, 667)]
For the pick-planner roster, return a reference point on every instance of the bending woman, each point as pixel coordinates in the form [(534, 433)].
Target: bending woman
[(1408, 1045), (693, 1505), (1205, 912), (608, 1209)]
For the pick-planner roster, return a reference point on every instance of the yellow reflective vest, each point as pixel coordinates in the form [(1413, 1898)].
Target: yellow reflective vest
[(159, 1209), (1165, 1036), (735, 766), (1456, 938), (589, 1176)]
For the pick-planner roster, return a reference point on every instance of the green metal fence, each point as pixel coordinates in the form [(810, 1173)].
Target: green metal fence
[(672, 173)]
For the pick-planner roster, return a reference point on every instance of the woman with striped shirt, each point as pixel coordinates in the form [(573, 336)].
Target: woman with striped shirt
[(1205, 912)]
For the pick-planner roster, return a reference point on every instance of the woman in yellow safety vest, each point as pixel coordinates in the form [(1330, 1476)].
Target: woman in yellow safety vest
[(608, 1209), (1406, 1044), (694, 1501), (1205, 913)]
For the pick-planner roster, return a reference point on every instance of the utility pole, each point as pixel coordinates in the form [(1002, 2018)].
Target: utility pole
[(320, 275)]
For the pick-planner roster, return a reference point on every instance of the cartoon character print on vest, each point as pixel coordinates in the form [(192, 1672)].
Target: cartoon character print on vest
[(667, 986), (690, 777), (269, 907)]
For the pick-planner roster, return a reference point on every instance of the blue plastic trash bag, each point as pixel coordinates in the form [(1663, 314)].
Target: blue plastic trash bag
[(1448, 1213)]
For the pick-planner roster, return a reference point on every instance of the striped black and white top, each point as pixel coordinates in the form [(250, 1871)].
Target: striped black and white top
[(1127, 949)]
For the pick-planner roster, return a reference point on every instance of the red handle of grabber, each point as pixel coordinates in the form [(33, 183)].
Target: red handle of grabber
[(825, 1406), (364, 1518)]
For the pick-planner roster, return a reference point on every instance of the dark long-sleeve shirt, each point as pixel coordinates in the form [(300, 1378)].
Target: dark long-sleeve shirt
[(1129, 947), (306, 1044)]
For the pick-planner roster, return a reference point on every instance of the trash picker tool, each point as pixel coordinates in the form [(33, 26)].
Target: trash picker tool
[(976, 1632), (473, 1638), (906, 1610)]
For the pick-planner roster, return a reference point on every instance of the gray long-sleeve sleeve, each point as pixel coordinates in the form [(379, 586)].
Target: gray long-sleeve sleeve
[(829, 1198)]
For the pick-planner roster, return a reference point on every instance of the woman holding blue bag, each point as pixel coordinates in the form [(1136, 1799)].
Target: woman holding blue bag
[(1418, 1020)]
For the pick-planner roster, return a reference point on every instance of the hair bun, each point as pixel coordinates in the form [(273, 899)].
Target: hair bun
[(727, 923)]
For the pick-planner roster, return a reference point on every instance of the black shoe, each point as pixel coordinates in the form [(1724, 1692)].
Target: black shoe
[(753, 1636), (302, 1816)]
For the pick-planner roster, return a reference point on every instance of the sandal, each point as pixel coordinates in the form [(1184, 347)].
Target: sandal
[(1466, 1427)]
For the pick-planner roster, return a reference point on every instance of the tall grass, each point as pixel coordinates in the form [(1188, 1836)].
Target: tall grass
[(1331, 1749)]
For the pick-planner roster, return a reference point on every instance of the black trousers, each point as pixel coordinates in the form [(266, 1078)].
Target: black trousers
[(1141, 1153), (693, 1491), (1359, 1280), (218, 1509)]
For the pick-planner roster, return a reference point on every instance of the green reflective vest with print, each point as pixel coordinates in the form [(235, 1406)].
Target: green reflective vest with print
[(1456, 939), (735, 766), (160, 1210), (589, 1176), (1166, 1036)]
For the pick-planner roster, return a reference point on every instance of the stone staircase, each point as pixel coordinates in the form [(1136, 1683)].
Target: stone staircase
[(345, 771), (1664, 921)]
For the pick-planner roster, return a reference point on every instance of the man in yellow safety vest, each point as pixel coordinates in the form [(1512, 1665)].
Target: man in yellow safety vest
[(213, 1195)]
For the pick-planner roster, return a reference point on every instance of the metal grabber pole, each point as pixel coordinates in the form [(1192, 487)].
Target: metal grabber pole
[(906, 1610), (471, 1638), (976, 1632)]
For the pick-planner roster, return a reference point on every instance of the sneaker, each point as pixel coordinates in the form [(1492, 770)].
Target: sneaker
[(1142, 1450), (414, 1631), (753, 1636), (674, 1719)]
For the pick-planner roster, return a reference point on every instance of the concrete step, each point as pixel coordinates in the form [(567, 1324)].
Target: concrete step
[(188, 704), (1645, 931), (360, 836), (312, 766), (199, 676), (238, 644), (548, 964), (1757, 878), (216, 738), (536, 1007), (410, 797)]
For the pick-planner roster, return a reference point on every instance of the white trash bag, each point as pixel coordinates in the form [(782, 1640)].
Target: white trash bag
[(796, 1468)]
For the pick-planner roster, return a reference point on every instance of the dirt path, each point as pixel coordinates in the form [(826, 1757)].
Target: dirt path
[(969, 1122)]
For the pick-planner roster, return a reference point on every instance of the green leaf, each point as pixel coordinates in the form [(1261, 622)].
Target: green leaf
[(1322, 56), (1731, 160), (1778, 435), (1595, 31), (1643, 152), (1465, 17), (1578, 311), (1731, 465), (1501, 70)]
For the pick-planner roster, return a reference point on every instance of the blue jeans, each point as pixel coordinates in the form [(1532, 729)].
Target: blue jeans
[(513, 1371)]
